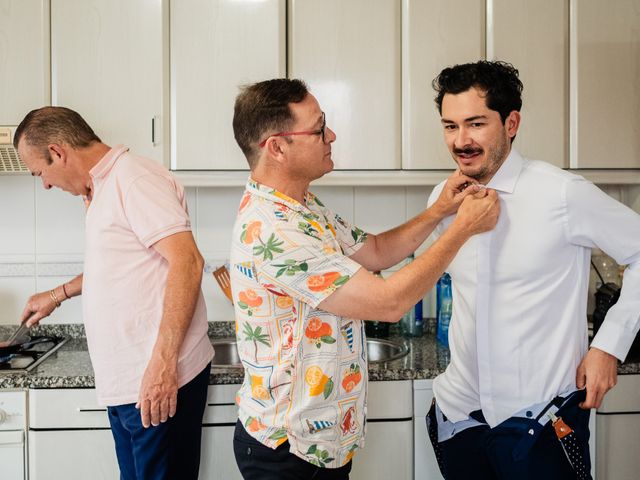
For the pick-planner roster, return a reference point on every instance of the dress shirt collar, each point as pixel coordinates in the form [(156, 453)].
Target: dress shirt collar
[(506, 177)]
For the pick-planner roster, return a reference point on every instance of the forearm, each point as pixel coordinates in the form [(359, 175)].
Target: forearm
[(393, 246), (181, 295), (70, 289), (368, 297)]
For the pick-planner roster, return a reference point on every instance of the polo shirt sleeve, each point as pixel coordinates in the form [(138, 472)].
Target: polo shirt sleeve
[(154, 209), (597, 220), (307, 267)]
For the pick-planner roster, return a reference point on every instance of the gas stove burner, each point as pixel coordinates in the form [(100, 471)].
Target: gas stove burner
[(24, 360)]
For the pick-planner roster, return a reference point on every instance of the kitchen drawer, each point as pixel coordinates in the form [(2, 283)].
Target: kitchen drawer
[(66, 408), (624, 397), (221, 405), (390, 400)]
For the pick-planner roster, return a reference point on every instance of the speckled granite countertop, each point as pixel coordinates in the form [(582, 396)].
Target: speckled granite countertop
[(70, 366)]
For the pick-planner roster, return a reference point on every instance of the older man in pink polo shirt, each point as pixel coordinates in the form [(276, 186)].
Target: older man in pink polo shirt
[(143, 308)]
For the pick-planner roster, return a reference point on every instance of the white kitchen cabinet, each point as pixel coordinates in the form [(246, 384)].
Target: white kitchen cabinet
[(217, 46), (69, 436), (534, 37), (219, 419), (24, 58), (436, 34), (605, 102), (107, 64), (426, 465), (349, 54), (618, 431), (388, 451)]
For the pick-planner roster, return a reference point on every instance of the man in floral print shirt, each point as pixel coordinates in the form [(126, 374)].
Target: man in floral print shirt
[(301, 283)]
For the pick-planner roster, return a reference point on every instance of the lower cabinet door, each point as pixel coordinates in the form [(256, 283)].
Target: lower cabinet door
[(217, 459), (388, 452), (72, 455)]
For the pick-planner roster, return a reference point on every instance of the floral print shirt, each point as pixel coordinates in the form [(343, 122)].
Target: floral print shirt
[(305, 377)]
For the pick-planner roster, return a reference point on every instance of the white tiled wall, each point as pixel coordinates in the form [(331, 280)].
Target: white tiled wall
[(42, 234)]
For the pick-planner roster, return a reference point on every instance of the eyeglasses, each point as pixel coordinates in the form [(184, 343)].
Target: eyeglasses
[(308, 132)]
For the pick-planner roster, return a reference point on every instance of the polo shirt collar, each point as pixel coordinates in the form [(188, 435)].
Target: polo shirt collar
[(506, 177), (106, 163)]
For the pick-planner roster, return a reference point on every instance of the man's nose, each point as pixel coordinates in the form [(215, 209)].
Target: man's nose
[(329, 135), (463, 139), (46, 184)]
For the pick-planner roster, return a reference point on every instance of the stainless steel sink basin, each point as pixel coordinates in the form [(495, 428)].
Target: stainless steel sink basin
[(226, 353), (378, 351)]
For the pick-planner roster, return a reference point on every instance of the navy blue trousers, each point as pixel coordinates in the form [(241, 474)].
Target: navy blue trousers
[(484, 453), (168, 451), (259, 462)]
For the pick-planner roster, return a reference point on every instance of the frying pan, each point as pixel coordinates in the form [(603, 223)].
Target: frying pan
[(19, 341)]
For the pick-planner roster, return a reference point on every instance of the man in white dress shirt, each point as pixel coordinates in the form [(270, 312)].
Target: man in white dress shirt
[(518, 335)]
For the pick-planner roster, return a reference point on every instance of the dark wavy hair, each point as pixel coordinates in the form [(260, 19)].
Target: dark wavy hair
[(262, 109), (499, 80)]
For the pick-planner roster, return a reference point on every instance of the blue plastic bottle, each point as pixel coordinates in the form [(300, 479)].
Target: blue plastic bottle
[(445, 305)]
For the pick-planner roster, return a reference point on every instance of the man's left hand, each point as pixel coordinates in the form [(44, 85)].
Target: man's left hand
[(598, 371), (158, 396)]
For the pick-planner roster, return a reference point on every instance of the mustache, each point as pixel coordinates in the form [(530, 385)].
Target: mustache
[(467, 151)]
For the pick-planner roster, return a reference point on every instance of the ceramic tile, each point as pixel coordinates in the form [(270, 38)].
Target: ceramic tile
[(17, 218), (378, 209), (14, 292), (216, 214), (60, 223), (70, 311)]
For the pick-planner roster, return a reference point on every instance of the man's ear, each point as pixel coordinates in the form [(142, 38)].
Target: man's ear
[(57, 153), (512, 123), (276, 148)]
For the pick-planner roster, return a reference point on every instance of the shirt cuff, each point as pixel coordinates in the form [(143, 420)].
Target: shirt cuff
[(613, 339)]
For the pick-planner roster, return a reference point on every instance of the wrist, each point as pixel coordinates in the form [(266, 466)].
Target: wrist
[(437, 212)]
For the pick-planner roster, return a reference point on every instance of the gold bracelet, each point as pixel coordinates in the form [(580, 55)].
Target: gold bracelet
[(53, 296)]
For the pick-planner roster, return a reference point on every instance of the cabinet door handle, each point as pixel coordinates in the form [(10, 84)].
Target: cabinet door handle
[(89, 410), (155, 130)]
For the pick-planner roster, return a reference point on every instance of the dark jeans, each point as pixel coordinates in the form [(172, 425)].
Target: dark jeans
[(172, 449), (259, 462), (484, 453)]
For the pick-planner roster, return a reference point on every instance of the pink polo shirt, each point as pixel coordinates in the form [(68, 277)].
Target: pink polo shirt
[(136, 202)]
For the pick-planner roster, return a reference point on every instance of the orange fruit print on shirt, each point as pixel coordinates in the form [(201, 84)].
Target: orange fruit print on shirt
[(318, 283)]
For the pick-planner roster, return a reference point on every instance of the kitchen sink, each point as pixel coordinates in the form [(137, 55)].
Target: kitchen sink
[(378, 351)]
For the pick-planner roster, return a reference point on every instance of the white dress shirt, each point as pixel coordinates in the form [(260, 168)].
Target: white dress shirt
[(519, 325)]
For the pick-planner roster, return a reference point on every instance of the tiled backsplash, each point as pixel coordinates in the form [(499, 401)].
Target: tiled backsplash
[(42, 234)]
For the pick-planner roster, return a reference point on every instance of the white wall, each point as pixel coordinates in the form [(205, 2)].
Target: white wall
[(42, 242)]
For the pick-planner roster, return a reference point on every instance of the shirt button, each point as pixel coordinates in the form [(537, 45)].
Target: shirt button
[(248, 450), (529, 414)]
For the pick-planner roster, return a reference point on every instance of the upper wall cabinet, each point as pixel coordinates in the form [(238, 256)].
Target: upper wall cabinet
[(437, 34), (605, 103), (216, 46), (24, 58), (107, 64), (348, 52), (534, 37)]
